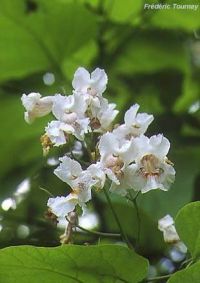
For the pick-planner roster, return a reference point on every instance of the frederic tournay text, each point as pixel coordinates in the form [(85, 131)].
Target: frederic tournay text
[(173, 6)]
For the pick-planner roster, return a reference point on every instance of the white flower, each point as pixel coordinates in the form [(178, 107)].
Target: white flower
[(116, 159), (36, 106), (65, 106), (80, 181), (134, 124), (70, 110), (97, 174), (55, 132), (94, 84), (102, 117), (61, 206), (166, 225), (152, 168), (70, 172)]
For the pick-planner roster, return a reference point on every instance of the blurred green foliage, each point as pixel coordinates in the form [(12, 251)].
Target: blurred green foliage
[(151, 57)]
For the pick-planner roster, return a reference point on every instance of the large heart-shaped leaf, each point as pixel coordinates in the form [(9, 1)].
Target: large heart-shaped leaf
[(188, 227), (39, 39), (83, 264)]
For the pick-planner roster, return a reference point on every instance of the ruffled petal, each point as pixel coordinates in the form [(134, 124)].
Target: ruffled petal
[(99, 80), (129, 117), (55, 133), (68, 170), (36, 106), (108, 144), (81, 79), (61, 206), (160, 145)]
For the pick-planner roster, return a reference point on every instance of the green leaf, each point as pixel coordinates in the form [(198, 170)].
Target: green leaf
[(188, 227), (122, 11), (191, 93), (184, 19), (84, 264), (147, 225), (20, 141), (149, 53), (83, 57), (45, 36), (190, 274)]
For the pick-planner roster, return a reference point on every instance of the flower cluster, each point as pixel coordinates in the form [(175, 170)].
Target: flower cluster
[(122, 154)]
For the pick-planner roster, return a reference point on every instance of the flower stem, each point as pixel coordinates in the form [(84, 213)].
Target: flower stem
[(134, 201), (123, 235), (96, 232), (186, 262)]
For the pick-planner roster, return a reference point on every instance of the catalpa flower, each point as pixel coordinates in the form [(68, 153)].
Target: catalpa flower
[(98, 175), (166, 225), (101, 118), (116, 159), (152, 168), (70, 112), (55, 130), (93, 85), (135, 124), (64, 107), (36, 106), (81, 183), (61, 206), (71, 172)]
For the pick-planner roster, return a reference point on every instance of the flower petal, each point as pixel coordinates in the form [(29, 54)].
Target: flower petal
[(36, 106), (108, 144), (99, 80), (61, 206), (81, 79), (68, 170), (55, 133), (160, 144), (129, 117)]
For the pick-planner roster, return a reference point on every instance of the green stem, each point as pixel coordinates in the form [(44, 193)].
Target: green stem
[(187, 261), (158, 278), (134, 201), (47, 192), (96, 232), (103, 234), (124, 237)]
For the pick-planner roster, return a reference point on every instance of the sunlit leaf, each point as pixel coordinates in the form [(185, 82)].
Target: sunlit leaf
[(69, 264), (122, 11), (173, 18), (31, 41)]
